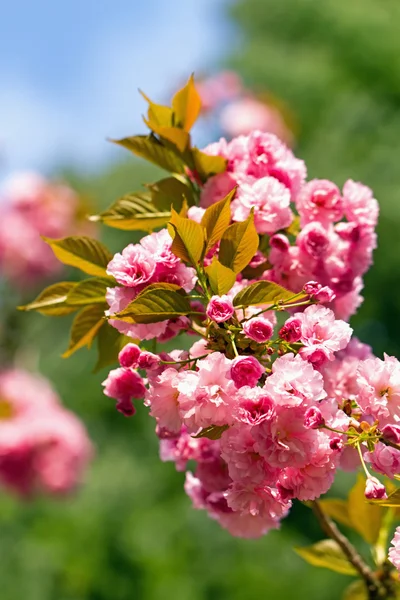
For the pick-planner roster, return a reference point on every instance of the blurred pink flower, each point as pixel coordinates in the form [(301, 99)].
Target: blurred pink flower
[(43, 446)]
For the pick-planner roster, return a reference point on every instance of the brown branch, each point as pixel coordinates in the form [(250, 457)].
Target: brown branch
[(376, 590)]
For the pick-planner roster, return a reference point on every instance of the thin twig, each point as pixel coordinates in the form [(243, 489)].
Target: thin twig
[(376, 591)]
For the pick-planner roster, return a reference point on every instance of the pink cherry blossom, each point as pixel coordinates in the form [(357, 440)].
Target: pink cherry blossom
[(379, 389), (220, 309), (258, 329), (162, 397), (246, 370), (384, 459), (321, 332), (294, 381), (270, 201), (133, 267), (207, 396), (394, 550), (320, 200)]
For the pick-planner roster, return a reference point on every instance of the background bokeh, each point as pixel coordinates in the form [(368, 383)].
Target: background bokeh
[(130, 532)]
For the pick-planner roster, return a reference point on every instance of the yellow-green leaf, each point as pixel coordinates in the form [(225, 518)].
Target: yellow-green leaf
[(53, 300), (87, 254), (175, 135), (89, 291), (336, 508), (239, 244), (188, 238), (186, 105), (207, 165), (213, 432), (170, 192), (157, 114), (327, 554), (109, 344), (216, 219), (134, 211), (262, 292), (158, 302), (221, 278), (85, 327), (365, 518), (149, 148)]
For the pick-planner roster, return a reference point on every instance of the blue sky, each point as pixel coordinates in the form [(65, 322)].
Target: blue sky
[(70, 70)]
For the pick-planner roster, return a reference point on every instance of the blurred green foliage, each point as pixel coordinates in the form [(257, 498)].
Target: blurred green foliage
[(130, 532)]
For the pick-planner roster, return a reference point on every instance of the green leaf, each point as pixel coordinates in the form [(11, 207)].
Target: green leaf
[(216, 219), (186, 105), (188, 238), (134, 211), (109, 344), (89, 291), (213, 432), (239, 244), (85, 327), (87, 254), (221, 278), (366, 518), (336, 508), (262, 292), (393, 500), (256, 272), (356, 591), (158, 302), (149, 148), (170, 192), (327, 554), (207, 165), (53, 300)]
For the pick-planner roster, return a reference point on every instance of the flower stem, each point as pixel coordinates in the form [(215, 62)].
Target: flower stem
[(182, 362), (376, 590)]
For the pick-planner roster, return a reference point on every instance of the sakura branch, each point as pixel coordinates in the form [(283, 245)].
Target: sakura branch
[(267, 413)]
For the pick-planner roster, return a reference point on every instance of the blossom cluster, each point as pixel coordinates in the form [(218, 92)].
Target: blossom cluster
[(32, 206), (268, 413), (335, 234), (44, 448)]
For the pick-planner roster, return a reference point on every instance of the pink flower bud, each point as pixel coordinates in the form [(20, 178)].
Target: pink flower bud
[(279, 242), (291, 331), (246, 370), (148, 360), (315, 355), (321, 293), (129, 355), (313, 418), (374, 489), (391, 433), (325, 294), (220, 309), (336, 443), (258, 329), (123, 385)]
